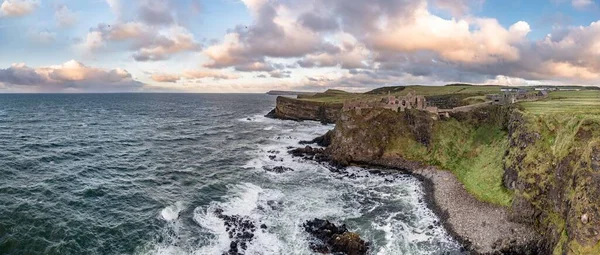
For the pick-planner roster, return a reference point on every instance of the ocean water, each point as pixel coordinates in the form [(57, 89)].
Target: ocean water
[(145, 173)]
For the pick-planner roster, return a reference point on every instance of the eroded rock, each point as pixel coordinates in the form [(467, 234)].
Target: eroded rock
[(329, 238), (240, 229), (278, 169)]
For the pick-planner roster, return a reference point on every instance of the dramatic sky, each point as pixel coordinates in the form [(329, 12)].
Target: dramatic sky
[(259, 45)]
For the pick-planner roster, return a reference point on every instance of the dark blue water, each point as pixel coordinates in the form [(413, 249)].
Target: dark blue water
[(144, 173)]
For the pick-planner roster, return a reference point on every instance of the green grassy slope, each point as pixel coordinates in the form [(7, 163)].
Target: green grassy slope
[(473, 152)]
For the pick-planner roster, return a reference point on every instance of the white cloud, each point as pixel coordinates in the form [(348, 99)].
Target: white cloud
[(148, 43), (15, 8), (582, 4), (64, 16), (195, 74)]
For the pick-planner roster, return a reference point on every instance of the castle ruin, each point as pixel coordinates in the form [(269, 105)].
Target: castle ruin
[(393, 102)]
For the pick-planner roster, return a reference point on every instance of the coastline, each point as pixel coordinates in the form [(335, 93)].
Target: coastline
[(479, 227)]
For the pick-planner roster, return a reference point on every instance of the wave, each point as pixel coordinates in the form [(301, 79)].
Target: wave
[(264, 214)]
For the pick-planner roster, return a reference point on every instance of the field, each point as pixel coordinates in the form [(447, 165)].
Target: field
[(584, 102), (463, 91)]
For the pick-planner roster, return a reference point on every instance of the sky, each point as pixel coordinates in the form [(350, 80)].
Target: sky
[(252, 46)]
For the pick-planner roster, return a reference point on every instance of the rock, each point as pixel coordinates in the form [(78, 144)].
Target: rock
[(263, 226), (298, 110), (278, 169), (271, 114), (308, 152), (329, 238), (240, 229), (584, 218), (324, 140), (349, 243)]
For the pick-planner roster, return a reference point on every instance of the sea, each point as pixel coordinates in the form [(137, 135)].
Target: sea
[(147, 173)]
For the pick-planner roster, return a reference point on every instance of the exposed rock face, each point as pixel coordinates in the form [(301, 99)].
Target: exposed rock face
[(368, 138), (552, 165), (329, 238), (298, 110), (364, 137), (324, 140)]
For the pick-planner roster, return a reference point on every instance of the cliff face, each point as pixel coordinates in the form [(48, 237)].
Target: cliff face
[(294, 109), (470, 144), (553, 164), (544, 169)]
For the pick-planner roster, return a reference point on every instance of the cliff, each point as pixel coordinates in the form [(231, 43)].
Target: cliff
[(542, 170), (553, 165), (296, 109)]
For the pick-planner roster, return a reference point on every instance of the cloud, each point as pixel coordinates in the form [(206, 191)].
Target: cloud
[(116, 8), (162, 47), (453, 40), (20, 74), (457, 8), (280, 74), (42, 37), (582, 4), (255, 67), (155, 12), (64, 16), (16, 8), (160, 77), (147, 42), (318, 22), (270, 36), (69, 76), (193, 75)]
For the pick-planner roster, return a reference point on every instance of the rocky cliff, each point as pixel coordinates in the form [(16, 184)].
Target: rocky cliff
[(543, 170), (553, 165), (297, 109)]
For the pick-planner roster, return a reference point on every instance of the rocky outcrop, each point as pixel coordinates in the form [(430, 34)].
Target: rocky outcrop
[(552, 165), (324, 140), (413, 140), (365, 137), (329, 238), (240, 229), (296, 109), (278, 169)]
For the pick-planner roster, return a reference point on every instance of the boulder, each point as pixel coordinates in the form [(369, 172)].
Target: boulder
[(329, 238)]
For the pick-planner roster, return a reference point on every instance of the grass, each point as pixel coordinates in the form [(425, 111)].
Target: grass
[(585, 102), (473, 154), (336, 96)]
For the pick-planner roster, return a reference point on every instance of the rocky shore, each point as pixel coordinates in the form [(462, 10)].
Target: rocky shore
[(481, 228), (516, 182)]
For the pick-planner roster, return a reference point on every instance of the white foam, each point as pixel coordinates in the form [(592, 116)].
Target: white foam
[(171, 213), (383, 209)]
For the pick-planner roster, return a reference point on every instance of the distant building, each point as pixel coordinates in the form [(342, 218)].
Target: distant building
[(545, 89), (569, 89)]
